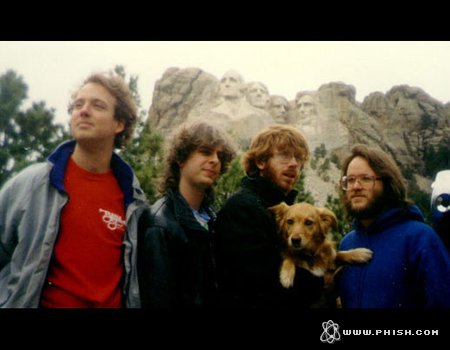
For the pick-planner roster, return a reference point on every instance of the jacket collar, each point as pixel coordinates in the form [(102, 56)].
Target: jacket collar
[(122, 171), (267, 190), (183, 212), (389, 218)]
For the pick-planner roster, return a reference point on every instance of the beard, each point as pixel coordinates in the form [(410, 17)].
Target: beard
[(373, 209), (270, 174)]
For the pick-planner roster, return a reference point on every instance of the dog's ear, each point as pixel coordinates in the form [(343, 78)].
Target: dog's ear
[(327, 219), (279, 211)]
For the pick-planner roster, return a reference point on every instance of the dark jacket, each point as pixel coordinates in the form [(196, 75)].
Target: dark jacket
[(248, 254), (410, 267), (175, 261)]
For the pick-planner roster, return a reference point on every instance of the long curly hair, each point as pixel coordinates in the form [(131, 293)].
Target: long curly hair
[(185, 140)]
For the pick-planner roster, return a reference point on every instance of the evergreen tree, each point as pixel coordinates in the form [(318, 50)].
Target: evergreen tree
[(344, 225), (145, 151), (229, 182), (25, 136), (303, 194)]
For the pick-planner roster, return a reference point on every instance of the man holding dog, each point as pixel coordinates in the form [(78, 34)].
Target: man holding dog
[(410, 267), (248, 246)]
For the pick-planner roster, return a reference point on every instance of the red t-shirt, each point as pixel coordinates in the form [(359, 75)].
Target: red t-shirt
[(86, 268)]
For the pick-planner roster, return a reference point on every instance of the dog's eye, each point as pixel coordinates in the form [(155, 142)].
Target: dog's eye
[(290, 221), (308, 222)]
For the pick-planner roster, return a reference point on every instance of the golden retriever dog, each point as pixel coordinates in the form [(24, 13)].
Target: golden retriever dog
[(305, 235)]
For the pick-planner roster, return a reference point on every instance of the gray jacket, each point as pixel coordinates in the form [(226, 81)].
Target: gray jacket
[(30, 210)]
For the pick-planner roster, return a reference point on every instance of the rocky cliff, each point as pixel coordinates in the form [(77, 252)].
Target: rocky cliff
[(405, 121)]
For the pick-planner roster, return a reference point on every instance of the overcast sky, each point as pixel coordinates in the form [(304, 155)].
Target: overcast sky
[(54, 69)]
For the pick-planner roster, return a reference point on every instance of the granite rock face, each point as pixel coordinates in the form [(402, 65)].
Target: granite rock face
[(403, 121)]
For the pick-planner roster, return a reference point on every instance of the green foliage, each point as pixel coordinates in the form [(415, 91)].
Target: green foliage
[(335, 159), (408, 173), (145, 154), (427, 122), (419, 197), (321, 151), (437, 159), (415, 194), (313, 163), (303, 194), (25, 136), (145, 151), (324, 167), (344, 225), (132, 84), (229, 182), (321, 162)]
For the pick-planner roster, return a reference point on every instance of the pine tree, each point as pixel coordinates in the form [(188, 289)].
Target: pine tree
[(25, 136)]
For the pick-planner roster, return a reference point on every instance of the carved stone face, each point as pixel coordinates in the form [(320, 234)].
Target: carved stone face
[(306, 106), (231, 85), (279, 107), (257, 95)]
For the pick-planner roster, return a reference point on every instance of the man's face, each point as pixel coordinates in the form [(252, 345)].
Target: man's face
[(278, 109), (202, 168), (283, 168), (93, 115), (231, 85), (257, 95), (363, 201), (306, 106)]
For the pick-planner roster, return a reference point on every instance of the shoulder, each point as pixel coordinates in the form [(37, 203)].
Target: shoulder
[(162, 211), (242, 198), (420, 232), (163, 220), (34, 175)]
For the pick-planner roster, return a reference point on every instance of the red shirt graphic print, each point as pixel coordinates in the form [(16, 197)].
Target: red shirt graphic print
[(86, 268)]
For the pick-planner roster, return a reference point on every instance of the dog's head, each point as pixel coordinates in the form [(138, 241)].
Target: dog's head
[(302, 225)]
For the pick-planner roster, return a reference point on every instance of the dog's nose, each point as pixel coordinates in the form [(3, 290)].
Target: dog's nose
[(296, 242)]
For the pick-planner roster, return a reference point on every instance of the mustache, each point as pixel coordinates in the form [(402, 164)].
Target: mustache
[(375, 206)]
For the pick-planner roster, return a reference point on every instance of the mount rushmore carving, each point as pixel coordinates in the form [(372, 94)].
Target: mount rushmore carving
[(402, 121)]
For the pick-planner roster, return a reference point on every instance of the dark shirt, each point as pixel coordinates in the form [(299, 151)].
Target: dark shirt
[(248, 251)]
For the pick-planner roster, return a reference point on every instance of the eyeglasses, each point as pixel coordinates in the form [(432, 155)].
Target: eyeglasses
[(367, 182), (286, 157)]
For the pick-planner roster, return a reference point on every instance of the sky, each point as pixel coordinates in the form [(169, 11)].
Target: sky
[(54, 69)]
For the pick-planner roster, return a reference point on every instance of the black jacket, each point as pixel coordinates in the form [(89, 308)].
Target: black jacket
[(175, 260), (248, 255)]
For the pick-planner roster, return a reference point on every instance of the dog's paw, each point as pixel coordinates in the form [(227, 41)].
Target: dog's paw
[(287, 278), (361, 255)]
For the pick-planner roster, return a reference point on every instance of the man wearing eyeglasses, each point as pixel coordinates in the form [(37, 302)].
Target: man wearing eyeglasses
[(248, 257), (410, 267)]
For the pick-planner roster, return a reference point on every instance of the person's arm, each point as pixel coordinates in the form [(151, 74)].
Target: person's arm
[(247, 259), (158, 279), (10, 200)]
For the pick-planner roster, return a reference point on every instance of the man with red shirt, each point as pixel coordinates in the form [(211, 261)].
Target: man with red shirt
[(68, 226)]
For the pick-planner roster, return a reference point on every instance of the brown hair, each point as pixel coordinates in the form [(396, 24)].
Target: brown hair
[(270, 139), (125, 109), (185, 140), (395, 188)]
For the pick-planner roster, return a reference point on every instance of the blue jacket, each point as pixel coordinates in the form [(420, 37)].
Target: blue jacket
[(410, 267), (30, 209)]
